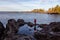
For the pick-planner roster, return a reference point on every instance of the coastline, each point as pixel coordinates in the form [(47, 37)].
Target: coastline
[(46, 29), (26, 12)]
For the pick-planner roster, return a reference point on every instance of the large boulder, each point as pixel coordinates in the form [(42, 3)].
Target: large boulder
[(20, 22), (2, 29), (11, 21), (42, 25), (55, 26), (30, 24), (49, 32), (11, 29), (11, 26), (19, 37), (55, 38), (40, 36)]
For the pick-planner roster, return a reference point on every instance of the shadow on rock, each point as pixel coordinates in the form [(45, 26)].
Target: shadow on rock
[(42, 25), (30, 24), (20, 22), (2, 29), (53, 32)]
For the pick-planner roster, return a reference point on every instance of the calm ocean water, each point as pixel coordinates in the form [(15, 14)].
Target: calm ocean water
[(41, 19)]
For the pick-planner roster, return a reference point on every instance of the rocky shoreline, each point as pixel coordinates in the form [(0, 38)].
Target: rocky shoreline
[(49, 31)]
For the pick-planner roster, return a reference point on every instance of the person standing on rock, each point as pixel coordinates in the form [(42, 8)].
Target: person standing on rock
[(35, 25)]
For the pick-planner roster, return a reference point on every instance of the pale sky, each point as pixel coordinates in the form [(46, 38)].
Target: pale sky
[(24, 5)]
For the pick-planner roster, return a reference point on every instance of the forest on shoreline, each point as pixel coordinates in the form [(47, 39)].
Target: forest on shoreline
[(53, 10)]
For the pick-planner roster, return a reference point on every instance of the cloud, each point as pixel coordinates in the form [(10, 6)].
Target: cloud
[(23, 5)]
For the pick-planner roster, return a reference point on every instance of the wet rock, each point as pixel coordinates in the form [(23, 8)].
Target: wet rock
[(20, 22), (55, 26), (44, 33), (2, 29), (55, 30), (52, 23), (51, 32), (55, 38), (11, 26), (42, 25), (19, 37), (26, 38), (12, 29), (11, 21), (30, 24), (39, 36)]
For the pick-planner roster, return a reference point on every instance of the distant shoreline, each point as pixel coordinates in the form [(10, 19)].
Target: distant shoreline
[(25, 12)]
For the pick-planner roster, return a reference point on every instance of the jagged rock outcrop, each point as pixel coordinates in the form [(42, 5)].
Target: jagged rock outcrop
[(20, 22), (51, 32), (42, 25), (2, 29), (30, 24), (11, 26), (12, 29)]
